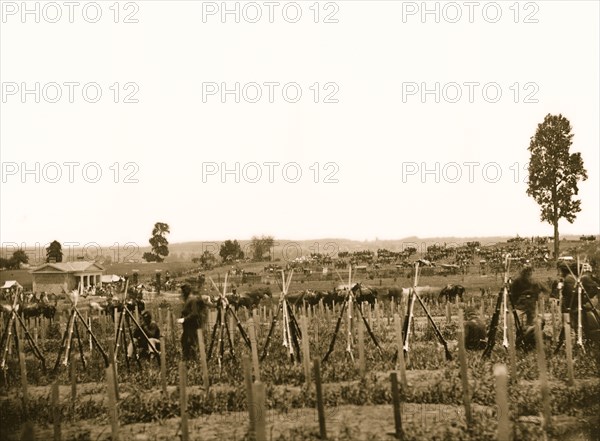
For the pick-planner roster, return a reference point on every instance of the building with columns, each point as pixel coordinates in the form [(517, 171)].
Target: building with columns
[(58, 278)]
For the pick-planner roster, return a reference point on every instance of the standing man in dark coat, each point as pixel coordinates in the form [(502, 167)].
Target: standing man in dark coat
[(570, 301), (524, 293), (192, 317)]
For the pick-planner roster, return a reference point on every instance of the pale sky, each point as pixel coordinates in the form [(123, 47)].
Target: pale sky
[(371, 60)]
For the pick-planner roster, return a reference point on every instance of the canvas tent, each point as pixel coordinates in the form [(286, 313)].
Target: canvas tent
[(9, 284), (9, 289), (110, 278)]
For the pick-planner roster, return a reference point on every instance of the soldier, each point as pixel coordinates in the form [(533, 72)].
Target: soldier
[(569, 300), (524, 293), (201, 280), (152, 331), (475, 332), (192, 317)]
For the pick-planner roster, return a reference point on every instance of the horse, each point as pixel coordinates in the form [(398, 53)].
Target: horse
[(250, 300), (363, 293), (307, 297), (451, 292), (392, 293)]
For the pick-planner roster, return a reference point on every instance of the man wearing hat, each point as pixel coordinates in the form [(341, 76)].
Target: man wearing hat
[(569, 300), (524, 293), (192, 316), (152, 331)]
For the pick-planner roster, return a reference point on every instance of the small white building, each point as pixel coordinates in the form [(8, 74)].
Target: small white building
[(58, 278)]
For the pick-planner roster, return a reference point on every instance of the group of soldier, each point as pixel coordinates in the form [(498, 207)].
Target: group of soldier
[(524, 293), (523, 290), (192, 318)]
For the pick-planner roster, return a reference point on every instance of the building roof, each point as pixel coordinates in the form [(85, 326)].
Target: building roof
[(68, 267)]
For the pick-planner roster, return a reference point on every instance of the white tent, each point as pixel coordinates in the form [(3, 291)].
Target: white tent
[(110, 278), (11, 284)]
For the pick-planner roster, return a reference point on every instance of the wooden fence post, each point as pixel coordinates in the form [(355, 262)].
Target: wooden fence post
[(569, 350), (246, 365), (512, 349), (163, 365), (502, 402), (112, 403), (396, 404), (464, 370), (254, 347), (23, 369), (183, 401), (56, 411), (73, 372), (320, 404), (546, 408), (203, 361), (259, 395), (361, 348), (305, 350)]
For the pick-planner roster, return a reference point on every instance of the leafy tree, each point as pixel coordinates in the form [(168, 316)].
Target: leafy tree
[(261, 245), (18, 258), (149, 257), (410, 251), (159, 243), (207, 261), (15, 261), (554, 173), (231, 251), (54, 252)]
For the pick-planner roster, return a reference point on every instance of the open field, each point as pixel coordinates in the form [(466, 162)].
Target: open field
[(357, 407), (358, 401)]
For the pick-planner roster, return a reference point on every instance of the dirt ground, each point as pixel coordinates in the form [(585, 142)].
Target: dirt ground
[(345, 422)]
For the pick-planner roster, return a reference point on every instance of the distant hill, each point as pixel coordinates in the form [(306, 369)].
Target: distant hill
[(287, 249)]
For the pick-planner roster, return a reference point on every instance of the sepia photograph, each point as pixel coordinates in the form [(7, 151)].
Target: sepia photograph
[(347, 220)]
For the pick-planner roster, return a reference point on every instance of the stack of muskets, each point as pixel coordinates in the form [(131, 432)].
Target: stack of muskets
[(580, 291), (70, 327), (287, 332), (349, 321), (411, 307), (11, 324), (505, 303), (291, 332), (579, 305), (221, 320), (125, 319), (220, 326), (502, 308), (410, 313), (349, 302), (501, 303)]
